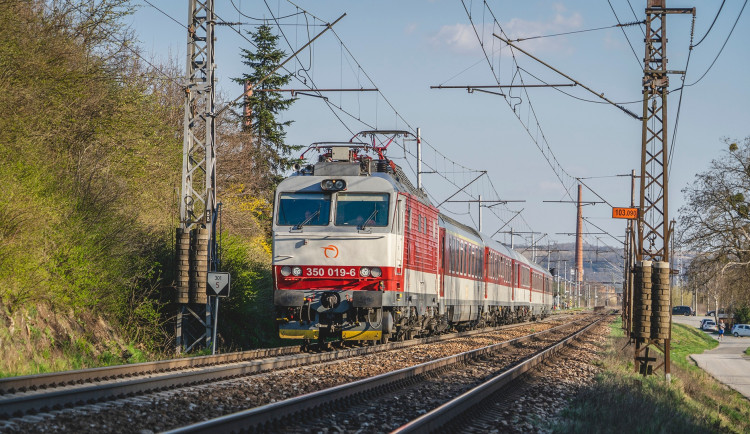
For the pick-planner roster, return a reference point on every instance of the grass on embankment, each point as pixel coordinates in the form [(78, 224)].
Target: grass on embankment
[(41, 340), (622, 401)]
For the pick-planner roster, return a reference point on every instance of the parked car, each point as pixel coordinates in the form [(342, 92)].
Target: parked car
[(723, 313), (708, 324), (682, 310), (741, 330)]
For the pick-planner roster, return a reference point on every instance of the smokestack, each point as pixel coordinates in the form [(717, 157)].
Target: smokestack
[(248, 112), (579, 239)]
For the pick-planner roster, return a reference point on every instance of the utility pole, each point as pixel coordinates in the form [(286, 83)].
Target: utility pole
[(482, 203), (196, 244), (419, 160), (652, 312), (479, 210)]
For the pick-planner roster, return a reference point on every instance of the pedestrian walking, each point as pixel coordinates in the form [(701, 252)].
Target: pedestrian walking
[(721, 328)]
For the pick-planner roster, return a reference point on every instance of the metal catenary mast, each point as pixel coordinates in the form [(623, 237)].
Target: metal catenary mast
[(196, 250), (652, 298)]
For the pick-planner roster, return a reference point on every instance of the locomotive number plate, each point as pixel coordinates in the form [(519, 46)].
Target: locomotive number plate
[(330, 272)]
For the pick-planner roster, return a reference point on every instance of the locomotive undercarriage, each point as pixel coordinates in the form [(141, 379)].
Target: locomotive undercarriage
[(319, 328)]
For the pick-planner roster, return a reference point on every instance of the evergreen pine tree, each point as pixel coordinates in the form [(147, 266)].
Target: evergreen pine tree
[(265, 104)]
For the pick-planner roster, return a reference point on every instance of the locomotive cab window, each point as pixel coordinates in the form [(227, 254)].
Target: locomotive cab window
[(362, 209), (304, 209)]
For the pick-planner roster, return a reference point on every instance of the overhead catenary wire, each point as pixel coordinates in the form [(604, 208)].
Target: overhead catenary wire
[(722, 46), (275, 18), (626, 35), (572, 32), (712, 24), (600, 95), (640, 101), (636, 17), (398, 115), (679, 103), (124, 44), (556, 167), (341, 109)]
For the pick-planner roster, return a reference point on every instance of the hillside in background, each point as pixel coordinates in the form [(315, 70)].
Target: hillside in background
[(601, 263)]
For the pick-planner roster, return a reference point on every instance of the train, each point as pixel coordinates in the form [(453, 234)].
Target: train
[(361, 254)]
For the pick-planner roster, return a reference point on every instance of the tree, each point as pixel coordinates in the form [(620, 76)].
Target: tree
[(715, 224), (265, 104)]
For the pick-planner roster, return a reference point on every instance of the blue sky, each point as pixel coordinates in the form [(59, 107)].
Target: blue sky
[(404, 47)]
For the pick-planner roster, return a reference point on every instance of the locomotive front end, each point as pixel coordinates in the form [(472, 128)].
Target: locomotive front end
[(334, 253)]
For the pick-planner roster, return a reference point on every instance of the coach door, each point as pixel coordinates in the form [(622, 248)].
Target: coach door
[(399, 221), (442, 257)]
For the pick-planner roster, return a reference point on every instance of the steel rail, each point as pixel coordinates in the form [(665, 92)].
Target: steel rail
[(265, 417), (438, 418), (80, 392), (54, 379)]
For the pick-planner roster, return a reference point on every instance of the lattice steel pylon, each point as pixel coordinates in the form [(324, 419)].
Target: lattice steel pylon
[(196, 234), (653, 229), (654, 212)]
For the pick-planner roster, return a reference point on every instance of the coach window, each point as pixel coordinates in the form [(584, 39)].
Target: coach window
[(472, 262), (362, 209), (304, 209), (480, 268), (462, 263)]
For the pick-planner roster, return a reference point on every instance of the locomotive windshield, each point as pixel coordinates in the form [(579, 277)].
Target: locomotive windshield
[(362, 209), (304, 209)]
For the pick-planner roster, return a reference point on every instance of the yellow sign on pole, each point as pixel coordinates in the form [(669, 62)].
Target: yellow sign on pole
[(625, 213)]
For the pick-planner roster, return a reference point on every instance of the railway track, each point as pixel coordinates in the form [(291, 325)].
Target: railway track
[(473, 409), (342, 406), (48, 392)]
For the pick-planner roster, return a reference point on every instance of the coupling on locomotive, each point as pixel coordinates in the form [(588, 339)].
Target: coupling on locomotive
[(359, 253)]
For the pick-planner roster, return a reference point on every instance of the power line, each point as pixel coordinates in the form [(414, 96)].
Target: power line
[(263, 19), (636, 17), (679, 103), (166, 14), (722, 46), (124, 44), (616, 104), (712, 24), (359, 66), (312, 88), (635, 23), (626, 35), (556, 167)]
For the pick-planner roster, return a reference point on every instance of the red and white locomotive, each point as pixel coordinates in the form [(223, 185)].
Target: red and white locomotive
[(359, 253)]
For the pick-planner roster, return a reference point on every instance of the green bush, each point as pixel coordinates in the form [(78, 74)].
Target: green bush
[(246, 318), (742, 315)]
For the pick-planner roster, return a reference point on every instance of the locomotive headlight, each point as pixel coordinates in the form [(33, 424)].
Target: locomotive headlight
[(286, 270), (364, 272), (297, 271), (376, 272), (333, 184)]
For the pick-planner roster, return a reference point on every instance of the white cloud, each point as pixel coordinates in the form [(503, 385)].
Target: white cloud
[(410, 28), (613, 42), (459, 38), (518, 28), (550, 186), (462, 39)]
